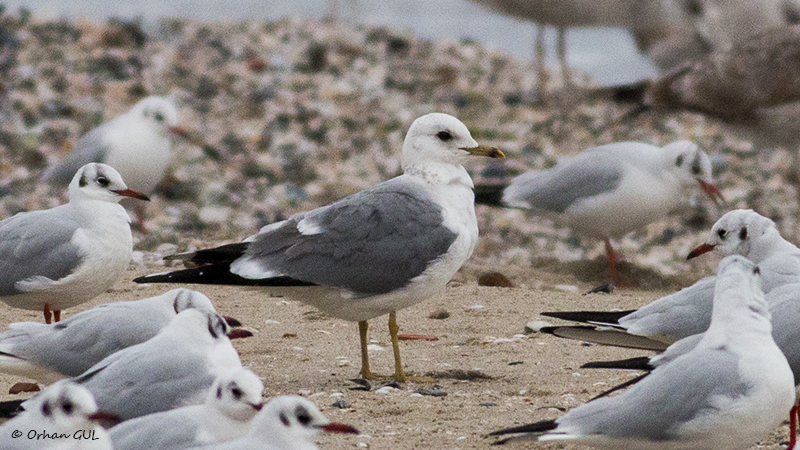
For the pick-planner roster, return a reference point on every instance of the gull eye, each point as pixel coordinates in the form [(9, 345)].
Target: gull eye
[(743, 234), (103, 181), (303, 416), (159, 117), (444, 136), (721, 233), (67, 406), (237, 393)]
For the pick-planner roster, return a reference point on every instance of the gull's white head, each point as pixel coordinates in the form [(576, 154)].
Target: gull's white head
[(691, 165), (237, 395), (204, 327), (97, 181), (157, 110), (66, 405), (438, 139), (183, 299), (293, 422), (737, 232)]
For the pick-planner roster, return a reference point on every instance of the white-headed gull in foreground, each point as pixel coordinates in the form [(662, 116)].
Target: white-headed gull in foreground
[(68, 348), (175, 368), (688, 311), (288, 422), (373, 253), (66, 413), (729, 392), (136, 143), (608, 191), (61, 257), (784, 307), (230, 405)]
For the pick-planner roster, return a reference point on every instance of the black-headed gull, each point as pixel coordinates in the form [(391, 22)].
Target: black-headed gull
[(63, 417), (719, 395), (688, 311), (231, 403), (57, 258), (288, 422), (784, 307), (174, 368), (372, 253), (136, 143), (608, 191), (68, 348)]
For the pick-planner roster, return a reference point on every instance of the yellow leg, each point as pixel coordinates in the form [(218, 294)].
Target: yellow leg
[(366, 374), (399, 374)]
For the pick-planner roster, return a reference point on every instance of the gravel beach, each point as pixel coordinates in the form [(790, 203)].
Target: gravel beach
[(294, 114)]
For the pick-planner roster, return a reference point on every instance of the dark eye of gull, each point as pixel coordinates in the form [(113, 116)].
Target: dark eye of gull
[(444, 135), (743, 234), (103, 181), (67, 406), (237, 393), (721, 232), (159, 117), (303, 416)]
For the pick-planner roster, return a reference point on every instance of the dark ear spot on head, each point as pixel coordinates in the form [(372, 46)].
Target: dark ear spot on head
[(743, 234), (211, 327), (756, 270), (82, 182), (175, 305), (47, 410), (679, 160), (219, 391), (284, 419)]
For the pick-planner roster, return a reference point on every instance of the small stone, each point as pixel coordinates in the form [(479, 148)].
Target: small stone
[(374, 348), (385, 390), (487, 404), (341, 404), (439, 314), (534, 326), (431, 392), (567, 288), (495, 279)]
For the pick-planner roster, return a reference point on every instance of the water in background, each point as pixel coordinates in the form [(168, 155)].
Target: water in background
[(607, 54)]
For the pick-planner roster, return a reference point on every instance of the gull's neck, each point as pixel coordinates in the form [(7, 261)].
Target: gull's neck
[(740, 314), (770, 244), (435, 172)]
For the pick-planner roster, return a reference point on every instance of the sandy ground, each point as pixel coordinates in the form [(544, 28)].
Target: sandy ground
[(511, 378)]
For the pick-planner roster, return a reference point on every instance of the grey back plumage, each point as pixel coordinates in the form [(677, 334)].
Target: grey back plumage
[(588, 174), (371, 242), (34, 247)]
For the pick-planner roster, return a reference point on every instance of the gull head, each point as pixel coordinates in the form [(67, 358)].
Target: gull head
[(293, 419), (97, 181), (67, 405), (692, 166), (183, 299), (204, 327), (443, 139), (237, 395), (160, 113), (737, 232)]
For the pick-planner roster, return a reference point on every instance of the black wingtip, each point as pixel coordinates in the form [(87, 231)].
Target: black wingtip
[(11, 408), (219, 274), (606, 317), (538, 427), (489, 194), (639, 363)]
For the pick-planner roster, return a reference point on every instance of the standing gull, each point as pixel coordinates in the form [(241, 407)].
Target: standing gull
[(288, 422), (230, 405), (68, 348), (719, 395), (688, 311), (372, 253), (61, 257), (610, 190)]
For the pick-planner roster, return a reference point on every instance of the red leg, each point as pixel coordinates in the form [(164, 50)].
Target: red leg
[(793, 415), (612, 260), (48, 317), (57, 316)]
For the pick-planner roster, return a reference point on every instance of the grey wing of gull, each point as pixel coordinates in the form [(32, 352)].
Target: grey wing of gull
[(89, 148), (72, 346), (586, 175), (784, 305), (675, 316), (37, 243), (657, 407), (142, 380), (371, 242), (169, 429)]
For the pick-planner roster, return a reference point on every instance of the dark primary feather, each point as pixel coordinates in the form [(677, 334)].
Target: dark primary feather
[(615, 338), (594, 317), (219, 274), (639, 363)]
